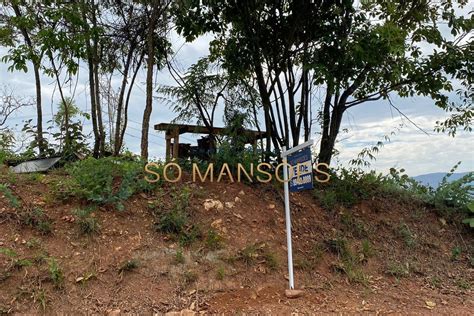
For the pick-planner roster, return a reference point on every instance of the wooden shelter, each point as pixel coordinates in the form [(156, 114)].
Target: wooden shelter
[(174, 130)]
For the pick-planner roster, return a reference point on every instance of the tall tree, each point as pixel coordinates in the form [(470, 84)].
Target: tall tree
[(13, 25), (357, 53), (157, 46)]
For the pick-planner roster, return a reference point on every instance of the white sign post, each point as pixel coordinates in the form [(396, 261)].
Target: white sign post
[(284, 155)]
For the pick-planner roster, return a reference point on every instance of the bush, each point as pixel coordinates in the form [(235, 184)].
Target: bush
[(86, 223), (12, 199), (176, 221), (107, 181)]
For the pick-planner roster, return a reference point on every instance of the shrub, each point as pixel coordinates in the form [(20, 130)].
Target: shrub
[(176, 221), (107, 181), (470, 221), (12, 199), (37, 219), (86, 223), (55, 273), (128, 265), (213, 240)]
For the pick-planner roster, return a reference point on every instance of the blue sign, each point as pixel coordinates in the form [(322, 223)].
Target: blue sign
[(301, 171)]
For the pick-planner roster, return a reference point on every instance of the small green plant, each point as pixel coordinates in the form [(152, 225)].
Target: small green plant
[(436, 282), (172, 222), (12, 199), (249, 254), (55, 273), (271, 260), (470, 221), (33, 243), (36, 218), (463, 284), (86, 223), (8, 252), (355, 226), (407, 235), (176, 221), (367, 249), (398, 269), (455, 253), (128, 265), (213, 240), (220, 273), (190, 277), (179, 257)]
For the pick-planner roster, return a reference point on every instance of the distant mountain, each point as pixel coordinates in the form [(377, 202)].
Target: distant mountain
[(434, 179)]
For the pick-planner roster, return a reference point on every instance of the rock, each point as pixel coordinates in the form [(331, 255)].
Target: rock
[(114, 312), (238, 215), (210, 204), (79, 279), (293, 293), (241, 192), (216, 223), (430, 304), (229, 204), (271, 206), (237, 199)]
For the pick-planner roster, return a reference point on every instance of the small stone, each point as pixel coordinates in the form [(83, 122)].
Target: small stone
[(229, 204), (293, 293), (216, 223), (271, 206), (430, 304), (241, 192), (79, 279), (237, 199), (114, 312)]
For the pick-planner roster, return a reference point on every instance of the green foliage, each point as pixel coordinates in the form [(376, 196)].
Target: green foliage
[(87, 224), (398, 269), (190, 277), (176, 221), (55, 273), (70, 136), (220, 273), (128, 265), (107, 181), (452, 195), (367, 249), (249, 254), (349, 262), (408, 237), (7, 141), (179, 258), (37, 219), (455, 253), (226, 153), (271, 260), (213, 240), (470, 221), (12, 199)]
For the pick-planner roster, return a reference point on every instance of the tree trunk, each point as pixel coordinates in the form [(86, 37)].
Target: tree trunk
[(149, 84), (331, 128), (120, 103), (36, 68), (39, 112)]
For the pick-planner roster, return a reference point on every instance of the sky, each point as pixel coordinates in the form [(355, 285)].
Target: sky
[(416, 151)]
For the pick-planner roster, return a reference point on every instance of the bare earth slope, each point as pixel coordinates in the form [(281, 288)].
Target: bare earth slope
[(379, 256)]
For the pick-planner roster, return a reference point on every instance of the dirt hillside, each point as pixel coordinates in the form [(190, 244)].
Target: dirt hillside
[(381, 255)]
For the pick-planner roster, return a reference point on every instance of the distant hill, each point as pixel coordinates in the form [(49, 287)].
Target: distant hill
[(433, 179)]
